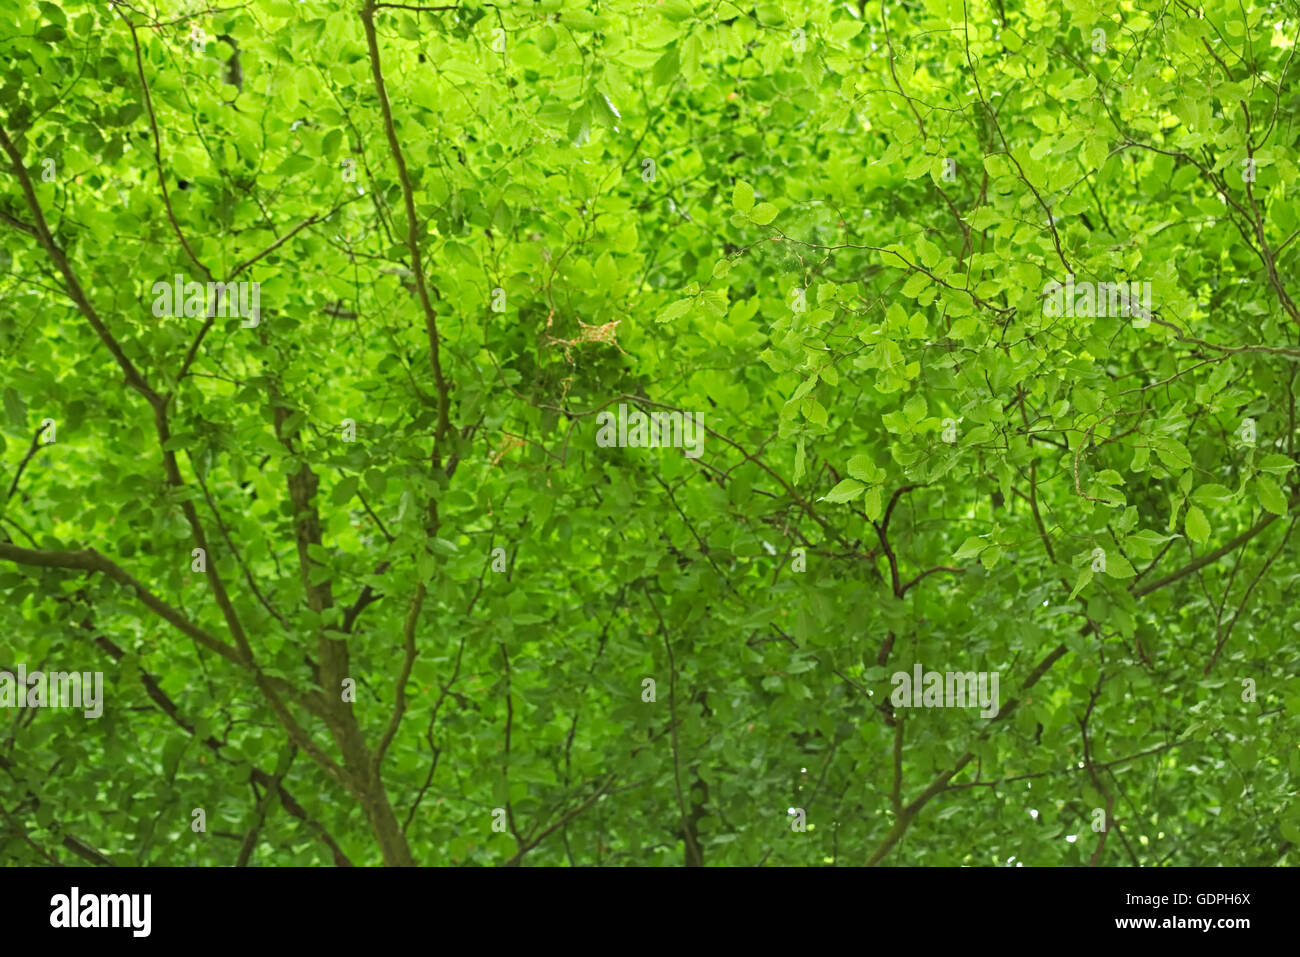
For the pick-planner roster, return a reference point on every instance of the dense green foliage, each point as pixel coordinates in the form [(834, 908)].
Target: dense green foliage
[(828, 229)]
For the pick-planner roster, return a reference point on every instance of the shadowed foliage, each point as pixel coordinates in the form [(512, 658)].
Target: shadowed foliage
[(363, 586)]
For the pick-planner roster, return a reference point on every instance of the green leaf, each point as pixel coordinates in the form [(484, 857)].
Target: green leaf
[(915, 409), (1276, 464), (346, 488), (919, 165), (1270, 495), (806, 386), (763, 213), (1117, 566), (845, 491), (871, 503), (676, 310), (676, 10), (928, 251), (15, 408), (1212, 495), (1197, 526), (443, 547), (862, 467), (667, 67), (918, 281), (603, 108), (1172, 453), (1085, 576), (581, 20), (742, 196), (970, 548), (294, 164)]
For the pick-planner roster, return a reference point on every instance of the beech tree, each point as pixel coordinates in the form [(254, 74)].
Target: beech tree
[(927, 338)]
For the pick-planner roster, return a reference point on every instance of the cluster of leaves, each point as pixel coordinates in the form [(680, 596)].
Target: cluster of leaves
[(827, 229)]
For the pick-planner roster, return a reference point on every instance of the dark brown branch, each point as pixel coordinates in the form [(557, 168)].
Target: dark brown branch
[(36, 446), (90, 560), (156, 693), (157, 150), (399, 692), (412, 236), (1213, 556), (931, 571)]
